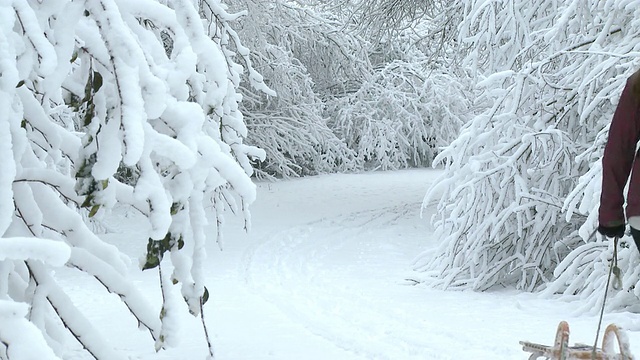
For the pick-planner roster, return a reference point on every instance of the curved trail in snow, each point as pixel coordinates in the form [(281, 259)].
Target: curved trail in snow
[(341, 273), (321, 275), (336, 260)]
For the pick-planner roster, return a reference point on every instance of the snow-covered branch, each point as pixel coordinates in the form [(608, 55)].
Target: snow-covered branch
[(402, 117), (514, 209), (305, 57), (100, 112)]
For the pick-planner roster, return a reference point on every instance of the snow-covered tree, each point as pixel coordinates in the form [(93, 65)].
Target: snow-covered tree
[(113, 103), (300, 53), (409, 103), (522, 182), (378, 18), (402, 115), (360, 100)]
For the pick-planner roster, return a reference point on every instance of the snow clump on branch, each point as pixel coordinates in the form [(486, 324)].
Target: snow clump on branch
[(113, 103)]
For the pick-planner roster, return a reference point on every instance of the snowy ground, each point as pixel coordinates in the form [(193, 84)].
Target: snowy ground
[(322, 276)]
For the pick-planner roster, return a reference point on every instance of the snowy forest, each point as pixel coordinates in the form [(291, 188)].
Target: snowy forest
[(175, 108)]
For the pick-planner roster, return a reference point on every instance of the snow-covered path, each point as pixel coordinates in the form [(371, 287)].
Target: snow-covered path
[(322, 276), (327, 254)]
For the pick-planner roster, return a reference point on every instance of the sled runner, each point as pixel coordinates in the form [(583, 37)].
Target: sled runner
[(562, 351)]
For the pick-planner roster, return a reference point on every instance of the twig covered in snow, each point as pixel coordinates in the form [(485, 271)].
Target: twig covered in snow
[(107, 103), (522, 181)]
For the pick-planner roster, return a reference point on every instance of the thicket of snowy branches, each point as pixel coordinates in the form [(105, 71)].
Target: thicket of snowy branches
[(143, 105), (151, 105), (521, 185), (300, 53), (402, 115), (113, 103), (363, 99)]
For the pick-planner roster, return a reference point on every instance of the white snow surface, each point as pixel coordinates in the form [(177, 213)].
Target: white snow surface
[(322, 275), (55, 253)]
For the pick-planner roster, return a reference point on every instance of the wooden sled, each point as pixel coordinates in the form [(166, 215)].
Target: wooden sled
[(562, 351)]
